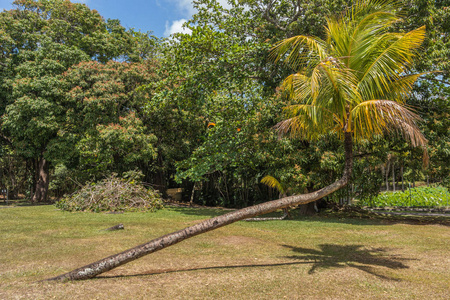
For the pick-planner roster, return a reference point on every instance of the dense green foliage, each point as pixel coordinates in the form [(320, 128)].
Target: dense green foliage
[(112, 194), (82, 97), (42, 44), (415, 197)]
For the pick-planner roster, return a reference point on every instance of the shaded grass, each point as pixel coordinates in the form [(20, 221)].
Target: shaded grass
[(405, 217), (315, 258)]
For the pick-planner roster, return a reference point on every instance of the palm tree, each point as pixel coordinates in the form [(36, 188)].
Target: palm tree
[(353, 83)]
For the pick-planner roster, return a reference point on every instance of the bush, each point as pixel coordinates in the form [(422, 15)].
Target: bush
[(421, 197), (112, 194)]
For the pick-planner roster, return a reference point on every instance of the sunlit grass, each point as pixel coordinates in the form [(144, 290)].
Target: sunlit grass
[(302, 258)]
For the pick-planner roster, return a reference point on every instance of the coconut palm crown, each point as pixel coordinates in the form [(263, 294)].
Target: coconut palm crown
[(355, 81)]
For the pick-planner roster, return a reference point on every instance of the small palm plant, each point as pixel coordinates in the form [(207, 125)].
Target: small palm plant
[(274, 183)]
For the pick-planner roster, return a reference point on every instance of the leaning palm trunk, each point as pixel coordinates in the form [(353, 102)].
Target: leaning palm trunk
[(116, 260)]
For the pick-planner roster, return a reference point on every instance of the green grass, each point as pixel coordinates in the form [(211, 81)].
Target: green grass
[(304, 258), (416, 197)]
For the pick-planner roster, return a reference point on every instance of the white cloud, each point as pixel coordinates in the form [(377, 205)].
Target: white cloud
[(224, 3), (185, 7), (177, 26)]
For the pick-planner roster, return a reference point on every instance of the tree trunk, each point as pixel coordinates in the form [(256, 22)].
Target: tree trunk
[(42, 181), (393, 177), (191, 201), (403, 182), (12, 191), (350, 198), (307, 209), (114, 261), (387, 175)]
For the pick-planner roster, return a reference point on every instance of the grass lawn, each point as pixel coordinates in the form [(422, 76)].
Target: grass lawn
[(304, 258)]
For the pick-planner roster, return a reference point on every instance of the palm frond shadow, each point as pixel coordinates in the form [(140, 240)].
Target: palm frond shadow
[(359, 257)]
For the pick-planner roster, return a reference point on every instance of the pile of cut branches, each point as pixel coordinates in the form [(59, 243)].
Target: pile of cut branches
[(112, 194)]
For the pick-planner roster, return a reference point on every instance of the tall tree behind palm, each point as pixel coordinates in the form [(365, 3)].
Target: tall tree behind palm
[(342, 86)]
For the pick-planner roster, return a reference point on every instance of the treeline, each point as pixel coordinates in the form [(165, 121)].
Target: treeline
[(82, 97)]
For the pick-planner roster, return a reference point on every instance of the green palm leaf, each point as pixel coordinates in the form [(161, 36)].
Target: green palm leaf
[(390, 56), (303, 117), (295, 51)]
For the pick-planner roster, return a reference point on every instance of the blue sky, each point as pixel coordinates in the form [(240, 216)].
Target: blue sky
[(160, 16)]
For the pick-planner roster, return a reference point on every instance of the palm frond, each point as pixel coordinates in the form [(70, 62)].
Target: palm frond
[(339, 88), (297, 51), (385, 66), (298, 85), (376, 117), (272, 182), (307, 121), (400, 89), (363, 32), (362, 8)]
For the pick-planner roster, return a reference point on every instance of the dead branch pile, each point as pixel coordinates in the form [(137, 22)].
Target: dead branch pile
[(112, 194)]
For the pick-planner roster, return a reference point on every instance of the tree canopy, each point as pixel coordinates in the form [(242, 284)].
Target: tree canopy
[(82, 97)]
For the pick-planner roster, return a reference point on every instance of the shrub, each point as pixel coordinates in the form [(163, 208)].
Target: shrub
[(419, 197), (112, 194)]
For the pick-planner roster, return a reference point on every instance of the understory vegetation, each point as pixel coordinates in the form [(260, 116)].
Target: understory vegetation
[(415, 197)]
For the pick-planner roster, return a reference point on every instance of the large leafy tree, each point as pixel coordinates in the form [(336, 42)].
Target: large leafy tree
[(206, 81), (103, 122), (342, 85), (40, 40)]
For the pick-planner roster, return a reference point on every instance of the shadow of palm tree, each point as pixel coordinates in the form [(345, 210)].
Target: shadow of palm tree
[(166, 271), (329, 256), (354, 256)]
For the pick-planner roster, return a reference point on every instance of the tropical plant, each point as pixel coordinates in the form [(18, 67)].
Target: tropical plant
[(342, 85), (353, 83), (274, 183), (415, 197)]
